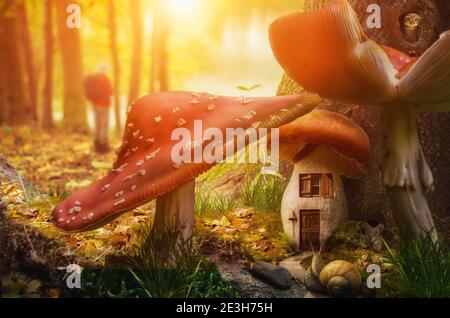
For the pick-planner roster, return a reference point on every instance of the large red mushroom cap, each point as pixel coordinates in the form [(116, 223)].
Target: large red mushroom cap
[(145, 169), (344, 144), (328, 53)]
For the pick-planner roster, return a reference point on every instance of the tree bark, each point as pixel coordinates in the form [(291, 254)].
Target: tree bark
[(16, 107), (159, 80), (3, 104), (367, 197), (47, 98), (136, 64), (28, 56), (116, 67), (70, 45)]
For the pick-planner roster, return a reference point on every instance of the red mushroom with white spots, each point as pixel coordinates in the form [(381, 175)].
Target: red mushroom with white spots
[(145, 169), (328, 53)]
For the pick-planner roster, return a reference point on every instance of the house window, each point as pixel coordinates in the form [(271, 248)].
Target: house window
[(316, 185)]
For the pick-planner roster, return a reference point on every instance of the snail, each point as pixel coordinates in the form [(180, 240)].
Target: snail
[(338, 278)]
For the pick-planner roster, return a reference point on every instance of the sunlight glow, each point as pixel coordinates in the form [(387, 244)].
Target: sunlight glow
[(183, 8)]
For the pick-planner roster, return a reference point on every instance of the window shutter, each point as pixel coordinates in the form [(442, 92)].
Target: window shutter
[(305, 186), (324, 186), (330, 186)]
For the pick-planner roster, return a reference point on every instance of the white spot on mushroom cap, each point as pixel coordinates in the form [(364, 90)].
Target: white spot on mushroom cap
[(140, 163), (246, 101), (158, 119), (250, 115), (175, 110), (181, 122), (142, 172), (105, 187), (195, 102), (119, 202), (133, 187), (211, 106), (119, 194), (149, 141), (131, 176)]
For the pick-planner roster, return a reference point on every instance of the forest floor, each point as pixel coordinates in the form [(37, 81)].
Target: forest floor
[(57, 163)]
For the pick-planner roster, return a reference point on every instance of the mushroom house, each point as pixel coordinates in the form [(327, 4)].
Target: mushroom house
[(322, 146)]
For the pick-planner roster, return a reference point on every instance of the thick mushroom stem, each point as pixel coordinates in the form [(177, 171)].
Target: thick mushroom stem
[(174, 216), (406, 174)]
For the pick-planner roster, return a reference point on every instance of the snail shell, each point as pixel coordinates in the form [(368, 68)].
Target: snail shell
[(341, 278)]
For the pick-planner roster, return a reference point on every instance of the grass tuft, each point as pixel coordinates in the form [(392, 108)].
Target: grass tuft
[(423, 267), (207, 202), (264, 193)]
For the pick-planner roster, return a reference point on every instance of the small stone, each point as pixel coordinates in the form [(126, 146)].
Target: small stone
[(276, 276)]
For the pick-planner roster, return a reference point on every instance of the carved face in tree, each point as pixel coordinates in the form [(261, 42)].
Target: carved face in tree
[(410, 26)]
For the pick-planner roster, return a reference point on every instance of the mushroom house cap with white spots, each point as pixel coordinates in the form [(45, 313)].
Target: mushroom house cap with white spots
[(144, 169), (327, 52), (346, 145)]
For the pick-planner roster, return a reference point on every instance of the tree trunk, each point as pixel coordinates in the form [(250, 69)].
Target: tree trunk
[(3, 104), (28, 56), (116, 66), (158, 74), (47, 110), (367, 197), (70, 45), (16, 108), (135, 77)]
